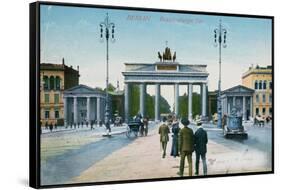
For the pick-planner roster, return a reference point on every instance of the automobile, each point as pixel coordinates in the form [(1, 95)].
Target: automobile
[(234, 127)]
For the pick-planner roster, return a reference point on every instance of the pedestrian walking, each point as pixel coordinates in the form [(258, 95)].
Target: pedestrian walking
[(92, 125), (224, 120), (46, 125), (175, 131), (164, 135), (145, 124), (200, 142), (51, 127), (186, 146)]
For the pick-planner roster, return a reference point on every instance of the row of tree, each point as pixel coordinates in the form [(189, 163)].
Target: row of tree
[(150, 103), (164, 105)]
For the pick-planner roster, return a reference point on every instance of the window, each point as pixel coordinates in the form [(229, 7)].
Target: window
[(57, 82), (270, 111), (57, 98), (257, 111), (270, 85), (47, 114), (46, 82), (47, 98), (263, 111), (270, 98), (263, 98), (57, 114), (257, 98), (52, 83), (260, 84), (256, 85), (264, 84)]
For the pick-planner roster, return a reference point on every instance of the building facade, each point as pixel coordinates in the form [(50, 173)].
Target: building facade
[(240, 98), (260, 79), (54, 79), (83, 104)]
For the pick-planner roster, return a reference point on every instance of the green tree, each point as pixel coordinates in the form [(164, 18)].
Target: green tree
[(164, 105), (149, 106), (111, 88), (134, 100), (196, 105), (149, 103), (183, 105)]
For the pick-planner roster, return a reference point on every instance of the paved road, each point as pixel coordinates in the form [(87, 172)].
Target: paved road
[(61, 168), (259, 138), (224, 156), (222, 153)]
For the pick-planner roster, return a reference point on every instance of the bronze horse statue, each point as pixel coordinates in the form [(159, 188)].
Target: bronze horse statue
[(167, 56)]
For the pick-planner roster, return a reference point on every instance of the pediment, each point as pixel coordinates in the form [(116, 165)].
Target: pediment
[(239, 89), (82, 89)]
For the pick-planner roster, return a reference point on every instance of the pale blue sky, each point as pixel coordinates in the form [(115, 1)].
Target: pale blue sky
[(73, 33)]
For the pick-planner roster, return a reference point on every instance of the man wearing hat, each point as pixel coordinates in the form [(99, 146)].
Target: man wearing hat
[(164, 136), (201, 140), (186, 146)]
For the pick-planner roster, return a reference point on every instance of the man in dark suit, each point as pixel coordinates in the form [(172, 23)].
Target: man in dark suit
[(201, 140), (164, 136), (186, 146)]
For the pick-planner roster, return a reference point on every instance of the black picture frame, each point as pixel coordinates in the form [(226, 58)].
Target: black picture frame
[(34, 91)]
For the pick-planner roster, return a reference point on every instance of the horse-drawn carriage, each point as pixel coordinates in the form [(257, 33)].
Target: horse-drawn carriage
[(133, 129), (259, 120)]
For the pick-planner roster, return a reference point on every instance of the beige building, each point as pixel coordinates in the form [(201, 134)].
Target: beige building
[(55, 78), (260, 79)]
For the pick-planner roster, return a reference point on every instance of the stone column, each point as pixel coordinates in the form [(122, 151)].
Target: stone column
[(126, 104), (251, 106), (244, 108), (228, 108), (65, 111), (157, 99), (142, 98), (176, 99), (226, 103), (75, 106), (89, 109), (190, 102), (98, 109), (234, 101), (204, 99)]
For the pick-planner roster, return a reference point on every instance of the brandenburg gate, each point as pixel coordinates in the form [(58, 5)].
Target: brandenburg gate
[(165, 72)]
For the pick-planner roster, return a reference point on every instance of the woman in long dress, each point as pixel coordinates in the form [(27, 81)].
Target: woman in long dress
[(175, 131)]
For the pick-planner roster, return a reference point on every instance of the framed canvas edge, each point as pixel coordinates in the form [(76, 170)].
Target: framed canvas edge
[(34, 92)]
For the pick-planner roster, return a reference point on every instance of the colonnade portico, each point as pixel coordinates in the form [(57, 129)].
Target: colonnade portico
[(240, 98), (83, 104), (164, 73)]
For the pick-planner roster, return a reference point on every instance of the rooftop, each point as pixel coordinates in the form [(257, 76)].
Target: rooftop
[(258, 70), (58, 67)]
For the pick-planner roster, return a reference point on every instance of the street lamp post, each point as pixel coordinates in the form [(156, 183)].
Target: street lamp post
[(220, 40), (106, 34)]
